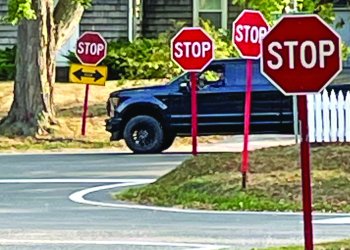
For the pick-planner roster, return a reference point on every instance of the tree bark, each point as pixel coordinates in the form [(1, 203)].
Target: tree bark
[(66, 17), (32, 111)]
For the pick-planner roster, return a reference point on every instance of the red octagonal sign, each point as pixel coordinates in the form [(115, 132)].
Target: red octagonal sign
[(91, 48), (192, 49), (248, 30), (301, 54)]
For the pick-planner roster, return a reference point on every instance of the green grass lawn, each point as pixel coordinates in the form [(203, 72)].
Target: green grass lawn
[(213, 181), (69, 107)]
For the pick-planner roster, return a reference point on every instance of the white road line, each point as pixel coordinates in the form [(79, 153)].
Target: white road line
[(105, 242), (78, 197), (333, 221), (67, 180)]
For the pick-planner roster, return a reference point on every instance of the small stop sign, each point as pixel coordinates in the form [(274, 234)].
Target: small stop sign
[(91, 48), (192, 49), (248, 30)]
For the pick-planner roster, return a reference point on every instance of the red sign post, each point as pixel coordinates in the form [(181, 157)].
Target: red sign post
[(91, 49), (192, 49), (248, 31), (301, 55)]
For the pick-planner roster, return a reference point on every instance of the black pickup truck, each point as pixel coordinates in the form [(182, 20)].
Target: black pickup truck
[(150, 118)]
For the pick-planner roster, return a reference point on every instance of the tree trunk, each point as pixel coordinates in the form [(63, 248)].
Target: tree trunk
[(32, 111)]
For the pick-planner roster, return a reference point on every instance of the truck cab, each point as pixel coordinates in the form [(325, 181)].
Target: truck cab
[(150, 118)]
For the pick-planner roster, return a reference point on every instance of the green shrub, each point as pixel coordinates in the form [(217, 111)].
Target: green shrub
[(223, 40), (147, 58), (7, 63), (144, 58)]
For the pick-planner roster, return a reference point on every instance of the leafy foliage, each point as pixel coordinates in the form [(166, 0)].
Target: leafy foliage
[(144, 58), (23, 9), (7, 63), (272, 9), (85, 3), (18, 10), (222, 38), (147, 58)]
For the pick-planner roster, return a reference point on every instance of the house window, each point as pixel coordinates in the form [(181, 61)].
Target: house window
[(340, 3), (213, 10)]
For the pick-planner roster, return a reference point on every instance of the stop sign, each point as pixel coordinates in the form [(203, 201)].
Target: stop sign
[(192, 49), (91, 48), (301, 54), (248, 30)]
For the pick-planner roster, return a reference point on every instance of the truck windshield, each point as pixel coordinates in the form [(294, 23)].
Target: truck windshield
[(175, 79)]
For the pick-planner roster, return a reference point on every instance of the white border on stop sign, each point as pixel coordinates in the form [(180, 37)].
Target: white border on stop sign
[(328, 82), (192, 28), (102, 38), (233, 32)]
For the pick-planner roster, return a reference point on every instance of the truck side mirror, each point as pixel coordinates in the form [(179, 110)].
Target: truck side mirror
[(183, 86)]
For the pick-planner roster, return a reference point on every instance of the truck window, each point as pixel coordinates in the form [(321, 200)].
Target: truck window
[(213, 76), (236, 76), (258, 78)]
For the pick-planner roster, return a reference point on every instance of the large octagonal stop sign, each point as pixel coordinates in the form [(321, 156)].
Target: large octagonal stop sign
[(91, 48), (192, 49), (301, 54)]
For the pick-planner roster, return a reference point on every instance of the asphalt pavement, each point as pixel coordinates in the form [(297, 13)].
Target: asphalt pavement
[(37, 210)]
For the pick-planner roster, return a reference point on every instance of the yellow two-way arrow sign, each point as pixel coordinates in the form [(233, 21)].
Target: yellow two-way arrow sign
[(96, 75)]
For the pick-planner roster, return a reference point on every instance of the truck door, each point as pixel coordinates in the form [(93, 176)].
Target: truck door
[(214, 100)]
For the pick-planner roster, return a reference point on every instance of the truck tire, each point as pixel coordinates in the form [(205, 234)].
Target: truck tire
[(168, 140), (144, 135)]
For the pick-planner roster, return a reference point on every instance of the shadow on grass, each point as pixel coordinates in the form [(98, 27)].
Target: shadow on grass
[(61, 140), (76, 111), (52, 143)]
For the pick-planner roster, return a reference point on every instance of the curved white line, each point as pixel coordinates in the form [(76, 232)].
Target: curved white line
[(112, 242), (78, 197)]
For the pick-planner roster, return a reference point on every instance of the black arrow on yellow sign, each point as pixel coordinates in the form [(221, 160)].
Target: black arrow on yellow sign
[(80, 73)]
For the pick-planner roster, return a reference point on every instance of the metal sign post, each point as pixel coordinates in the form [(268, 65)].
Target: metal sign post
[(91, 49), (305, 172), (299, 62), (192, 49), (193, 79), (248, 30), (247, 109)]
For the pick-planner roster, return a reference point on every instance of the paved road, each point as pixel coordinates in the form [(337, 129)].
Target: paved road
[(36, 212)]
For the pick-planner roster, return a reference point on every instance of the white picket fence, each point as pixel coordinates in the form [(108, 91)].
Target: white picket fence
[(329, 117)]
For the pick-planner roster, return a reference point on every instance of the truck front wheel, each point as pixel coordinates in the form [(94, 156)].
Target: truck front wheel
[(169, 138), (144, 134)]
